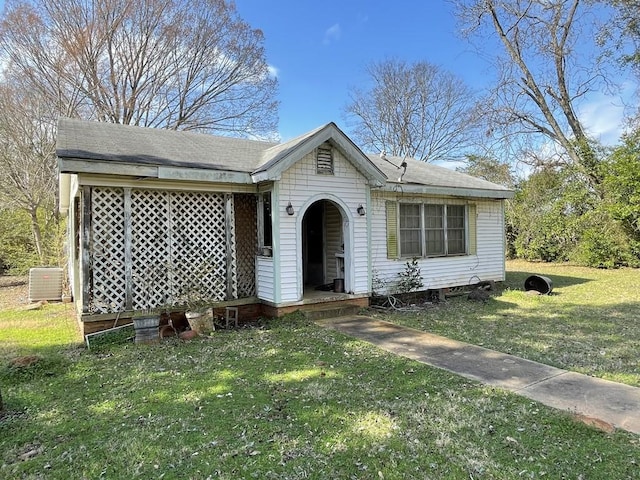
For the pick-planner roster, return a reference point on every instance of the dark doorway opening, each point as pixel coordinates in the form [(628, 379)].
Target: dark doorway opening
[(313, 245)]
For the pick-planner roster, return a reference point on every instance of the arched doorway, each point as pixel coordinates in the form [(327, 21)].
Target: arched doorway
[(322, 246)]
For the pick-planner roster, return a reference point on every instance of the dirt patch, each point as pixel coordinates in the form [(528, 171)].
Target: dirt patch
[(14, 291), (25, 361)]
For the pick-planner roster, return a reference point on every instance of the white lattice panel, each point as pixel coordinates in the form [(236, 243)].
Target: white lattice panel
[(246, 243), (178, 244), (150, 248), (199, 243), (107, 250)]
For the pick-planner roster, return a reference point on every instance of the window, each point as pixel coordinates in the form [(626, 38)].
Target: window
[(324, 159), (410, 230), (455, 230), (432, 230), (266, 231)]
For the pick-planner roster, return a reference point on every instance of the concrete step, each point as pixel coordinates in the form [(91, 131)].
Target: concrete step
[(329, 311)]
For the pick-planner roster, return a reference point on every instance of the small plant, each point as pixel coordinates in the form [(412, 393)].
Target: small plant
[(410, 280), (378, 285), (157, 298)]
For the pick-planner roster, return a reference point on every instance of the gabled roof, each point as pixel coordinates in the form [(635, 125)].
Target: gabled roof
[(82, 146), (279, 158)]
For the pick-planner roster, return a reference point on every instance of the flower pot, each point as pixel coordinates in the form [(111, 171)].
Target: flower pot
[(200, 322), (147, 328)]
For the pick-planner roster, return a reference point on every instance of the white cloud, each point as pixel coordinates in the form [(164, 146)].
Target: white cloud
[(273, 71), (604, 115), (332, 34)]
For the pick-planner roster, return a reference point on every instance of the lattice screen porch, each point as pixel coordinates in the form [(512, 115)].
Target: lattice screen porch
[(148, 248)]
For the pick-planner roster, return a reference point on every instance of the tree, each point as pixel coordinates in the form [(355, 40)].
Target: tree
[(622, 181), (546, 212), (489, 169), (27, 159), (545, 73), (418, 110), (624, 31), (157, 63)]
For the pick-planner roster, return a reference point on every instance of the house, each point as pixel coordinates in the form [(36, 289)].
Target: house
[(261, 226)]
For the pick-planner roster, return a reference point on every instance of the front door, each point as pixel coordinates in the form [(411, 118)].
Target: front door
[(313, 245), (322, 245)]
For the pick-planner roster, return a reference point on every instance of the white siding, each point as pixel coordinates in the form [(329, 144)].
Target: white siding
[(444, 272), (302, 186), (264, 279)]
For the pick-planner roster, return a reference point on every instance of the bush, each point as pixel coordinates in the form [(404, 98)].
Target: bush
[(603, 243), (18, 252)]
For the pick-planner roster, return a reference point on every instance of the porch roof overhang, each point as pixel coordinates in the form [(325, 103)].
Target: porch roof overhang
[(279, 158)]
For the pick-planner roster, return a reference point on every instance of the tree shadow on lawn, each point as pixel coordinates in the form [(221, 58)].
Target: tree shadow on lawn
[(295, 401), (591, 339), (515, 280)]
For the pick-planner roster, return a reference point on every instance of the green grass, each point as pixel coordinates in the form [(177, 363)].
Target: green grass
[(589, 323), (290, 401)]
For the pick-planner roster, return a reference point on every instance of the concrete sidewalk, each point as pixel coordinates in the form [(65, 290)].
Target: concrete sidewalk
[(601, 402)]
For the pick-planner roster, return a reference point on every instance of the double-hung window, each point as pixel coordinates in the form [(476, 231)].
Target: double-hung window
[(432, 230)]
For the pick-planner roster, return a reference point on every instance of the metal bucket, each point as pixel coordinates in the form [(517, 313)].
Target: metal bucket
[(338, 285), (541, 284), (147, 329)]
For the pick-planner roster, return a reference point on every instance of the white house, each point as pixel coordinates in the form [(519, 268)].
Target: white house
[(264, 227)]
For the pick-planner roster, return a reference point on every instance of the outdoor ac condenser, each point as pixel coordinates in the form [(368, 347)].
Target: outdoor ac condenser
[(45, 283)]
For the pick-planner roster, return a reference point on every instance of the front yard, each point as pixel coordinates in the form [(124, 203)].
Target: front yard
[(290, 400), (589, 324)]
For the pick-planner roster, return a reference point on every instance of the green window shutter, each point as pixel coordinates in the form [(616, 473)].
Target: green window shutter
[(473, 226), (392, 229)]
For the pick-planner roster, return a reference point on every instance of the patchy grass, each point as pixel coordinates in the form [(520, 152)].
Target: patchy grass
[(589, 323), (289, 401)]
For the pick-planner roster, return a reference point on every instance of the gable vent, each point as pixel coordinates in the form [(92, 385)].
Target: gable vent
[(324, 160)]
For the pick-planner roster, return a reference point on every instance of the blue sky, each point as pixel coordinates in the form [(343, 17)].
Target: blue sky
[(319, 49)]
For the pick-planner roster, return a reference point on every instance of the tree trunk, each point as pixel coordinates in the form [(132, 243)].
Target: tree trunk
[(37, 234)]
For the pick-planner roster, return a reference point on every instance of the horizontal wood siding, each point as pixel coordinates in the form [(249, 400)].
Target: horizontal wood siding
[(264, 279), (443, 272), (300, 185)]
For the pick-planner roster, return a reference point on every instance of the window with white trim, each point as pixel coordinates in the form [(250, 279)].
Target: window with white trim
[(432, 230)]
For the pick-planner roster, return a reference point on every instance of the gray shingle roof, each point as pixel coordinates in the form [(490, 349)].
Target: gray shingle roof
[(151, 146), (98, 141), (427, 174)]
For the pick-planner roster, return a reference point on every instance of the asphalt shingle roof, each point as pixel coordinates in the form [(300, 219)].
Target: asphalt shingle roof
[(101, 141), (152, 146)]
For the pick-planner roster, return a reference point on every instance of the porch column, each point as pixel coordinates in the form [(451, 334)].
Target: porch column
[(228, 226)]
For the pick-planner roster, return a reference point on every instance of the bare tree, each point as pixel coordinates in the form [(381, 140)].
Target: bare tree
[(27, 157), (622, 34), (158, 63), (418, 110), (545, 74)]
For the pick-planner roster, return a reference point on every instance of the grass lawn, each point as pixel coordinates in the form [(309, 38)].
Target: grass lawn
[(286, 401), (589, 323)]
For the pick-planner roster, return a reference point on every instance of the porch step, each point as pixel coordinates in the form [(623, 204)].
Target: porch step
[(329, 311)]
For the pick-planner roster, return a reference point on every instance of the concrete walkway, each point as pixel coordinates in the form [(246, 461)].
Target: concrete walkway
[(599, 402)]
